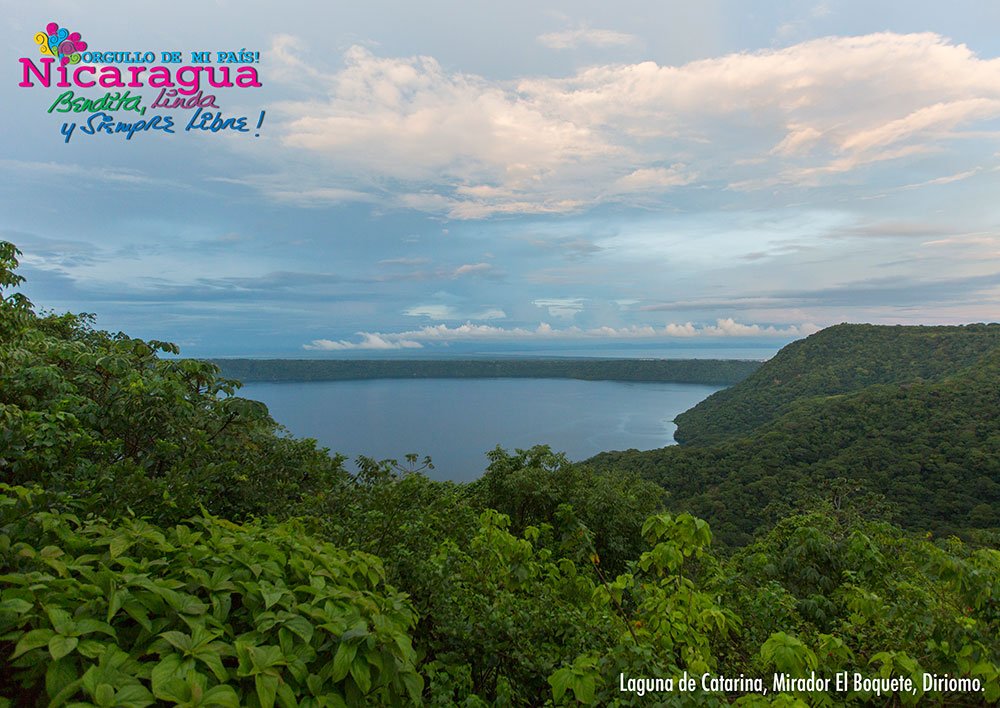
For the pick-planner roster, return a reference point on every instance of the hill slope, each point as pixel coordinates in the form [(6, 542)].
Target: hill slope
[(836, 360), (930, 447)]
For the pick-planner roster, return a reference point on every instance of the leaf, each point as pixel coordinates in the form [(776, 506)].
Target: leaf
[(178, 639), (414, 683), (32, 640), (16, 605), (211, 659), (60, 646), (139, 614), (583, 688), (119, 544), (59, 675), (133, 696), (61, 620), (89, 626), (223, 696), (267, 687), (560, 681), (361, 673), (302, 627), (271, 596), (342, 661), (168, 669), (104, 695)]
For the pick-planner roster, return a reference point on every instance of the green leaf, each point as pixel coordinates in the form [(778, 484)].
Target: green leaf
[(271, 596), (167, 670), (133, 696), (16, 605), (584, 689), (104, 695), (61, 620), (301, 626), (223, 696), (60, 646), (89, 626), (267, 687), (178, 639), (414, 683), (342, 661), (59, 675), (560, 681), (119, 544), (361, 673), (32, 640), (211, 659)]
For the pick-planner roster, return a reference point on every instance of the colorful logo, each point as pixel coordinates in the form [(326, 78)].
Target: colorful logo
[(60, 43)]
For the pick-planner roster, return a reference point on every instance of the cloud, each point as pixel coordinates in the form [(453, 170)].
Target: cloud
[(491, 314), (561, 307), (449, 312), (436, 312), (730, 328), (478, 332), (473, 268), (404, 261), (468, 147), (121, 177), (654, 178), (369, 340), (572, 39)]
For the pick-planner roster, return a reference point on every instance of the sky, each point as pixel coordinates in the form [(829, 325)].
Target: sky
[(442, 177)]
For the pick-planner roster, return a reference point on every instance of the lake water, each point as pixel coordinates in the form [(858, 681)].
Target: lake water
[(456, 421)]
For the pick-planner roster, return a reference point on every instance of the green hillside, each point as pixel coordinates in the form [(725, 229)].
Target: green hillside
[(836, 360), (699, 371), (929, 443)]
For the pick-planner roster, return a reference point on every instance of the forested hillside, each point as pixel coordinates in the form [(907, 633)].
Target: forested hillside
[(164, 543), (836, 360), (700, 371)]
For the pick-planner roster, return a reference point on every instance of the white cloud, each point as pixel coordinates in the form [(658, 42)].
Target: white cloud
[(448, 312), (369, 340), (469, 147), (561, 306), (404, 261), (730, 328), (469, 331), (434, 312), (571, 39), (654, 178), (472, 268)]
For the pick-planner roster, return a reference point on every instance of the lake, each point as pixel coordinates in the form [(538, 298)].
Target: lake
[(456, 421)]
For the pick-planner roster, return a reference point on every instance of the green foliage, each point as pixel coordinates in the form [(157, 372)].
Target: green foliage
[(15, 308), (829, 592), (102, 415), (206, 613), (535, 487), (720, 372), (834, 361), (930, 450)]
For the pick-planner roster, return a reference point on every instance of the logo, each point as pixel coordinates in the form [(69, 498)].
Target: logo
[(60, 43)]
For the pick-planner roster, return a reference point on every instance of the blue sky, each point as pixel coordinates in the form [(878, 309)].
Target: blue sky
[(434, 177)]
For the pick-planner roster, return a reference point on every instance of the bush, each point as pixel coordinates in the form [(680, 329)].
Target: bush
[(206, 613)]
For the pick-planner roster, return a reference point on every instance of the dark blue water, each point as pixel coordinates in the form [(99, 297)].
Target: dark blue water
[(456, 421)]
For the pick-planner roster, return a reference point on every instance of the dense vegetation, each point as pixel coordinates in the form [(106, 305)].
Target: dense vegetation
[(162, 542), (926, 447), (836, 360), (702, 371)]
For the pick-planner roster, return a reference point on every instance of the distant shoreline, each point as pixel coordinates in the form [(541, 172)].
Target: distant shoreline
[(719, 372)]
